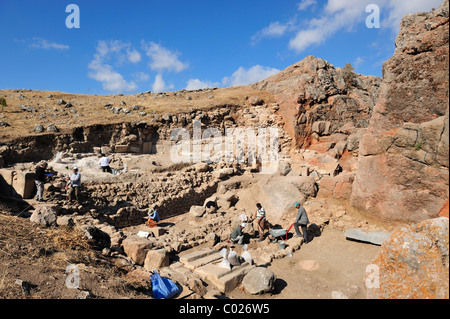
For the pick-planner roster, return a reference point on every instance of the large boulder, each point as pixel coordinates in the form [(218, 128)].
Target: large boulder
[(276, 194), (403, 155), (259, 280), (136, 248), (413, 263), (394, 187), (45, 216), (156, 259), (197, 211), (339, 187)]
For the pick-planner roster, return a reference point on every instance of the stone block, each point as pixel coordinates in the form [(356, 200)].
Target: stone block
[(156, 259), (121, 148), (137, 248), (157, 231), (16, 183), (373, 237), (106, 150)]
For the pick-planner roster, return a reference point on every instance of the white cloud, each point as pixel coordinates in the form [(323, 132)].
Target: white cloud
[(358, 61), (305, 4), (196, 84), (159, 85), (40, 43), (162, 59), (100, 71), (342, 15), (337, 15), (254, 74), (141, 76), (111, 80), (306, 38), (273, 30), (133, 55), (399, 8), (106, 48)]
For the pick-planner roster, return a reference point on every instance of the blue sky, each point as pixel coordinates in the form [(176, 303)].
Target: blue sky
[(136, 46)]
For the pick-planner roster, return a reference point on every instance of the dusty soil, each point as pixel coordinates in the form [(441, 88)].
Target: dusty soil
[(341, 268)]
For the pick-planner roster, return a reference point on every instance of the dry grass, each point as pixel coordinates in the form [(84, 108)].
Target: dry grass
[(39, 257), (25, 242), (90, 109)]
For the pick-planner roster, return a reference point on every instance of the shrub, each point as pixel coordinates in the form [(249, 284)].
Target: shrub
[(2, 102), (349, 75)]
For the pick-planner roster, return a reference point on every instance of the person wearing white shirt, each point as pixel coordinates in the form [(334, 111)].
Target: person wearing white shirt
[(104, 163), (260, 216)]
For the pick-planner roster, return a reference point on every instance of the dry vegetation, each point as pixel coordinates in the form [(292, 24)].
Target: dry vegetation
[(90, 109), (39, 256)]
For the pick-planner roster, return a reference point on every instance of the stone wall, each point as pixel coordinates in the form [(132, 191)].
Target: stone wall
[(128, 137)]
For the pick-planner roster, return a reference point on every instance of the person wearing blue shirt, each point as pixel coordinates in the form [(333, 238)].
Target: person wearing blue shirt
[(153, 215)]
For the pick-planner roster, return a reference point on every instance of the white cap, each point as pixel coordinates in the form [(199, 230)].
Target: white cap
[(243, 225), (75, 168)]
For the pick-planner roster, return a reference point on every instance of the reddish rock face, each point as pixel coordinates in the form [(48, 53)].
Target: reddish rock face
[(412, 263), (314, 97), (403, 160), (444, 210)]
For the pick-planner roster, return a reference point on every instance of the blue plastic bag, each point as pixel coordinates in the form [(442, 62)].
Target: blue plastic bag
[(163, 288)]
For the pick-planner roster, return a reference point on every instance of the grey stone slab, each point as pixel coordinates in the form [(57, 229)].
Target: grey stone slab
[(373, 237)]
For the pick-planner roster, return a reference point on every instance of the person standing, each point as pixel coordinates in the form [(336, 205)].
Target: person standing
[(260, 216), (301, 221), (104, 163), (74, 184), (39, 180)]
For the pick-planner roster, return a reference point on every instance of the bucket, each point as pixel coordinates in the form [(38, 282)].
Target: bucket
[(282, 244)]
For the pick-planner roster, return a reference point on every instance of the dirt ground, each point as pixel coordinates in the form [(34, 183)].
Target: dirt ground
[(339, 266)]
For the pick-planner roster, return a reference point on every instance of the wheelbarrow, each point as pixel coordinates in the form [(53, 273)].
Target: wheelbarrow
[(280, 232)]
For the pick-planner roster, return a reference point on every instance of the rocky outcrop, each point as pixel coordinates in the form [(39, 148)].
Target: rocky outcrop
[(403, 156), (412, 263), (316, 100), (277, 194)]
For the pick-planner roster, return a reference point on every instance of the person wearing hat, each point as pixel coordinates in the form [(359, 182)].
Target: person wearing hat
[(74, 184), (152, 217), (301, 221), (237, 235), (39, 180), (153, 214)]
